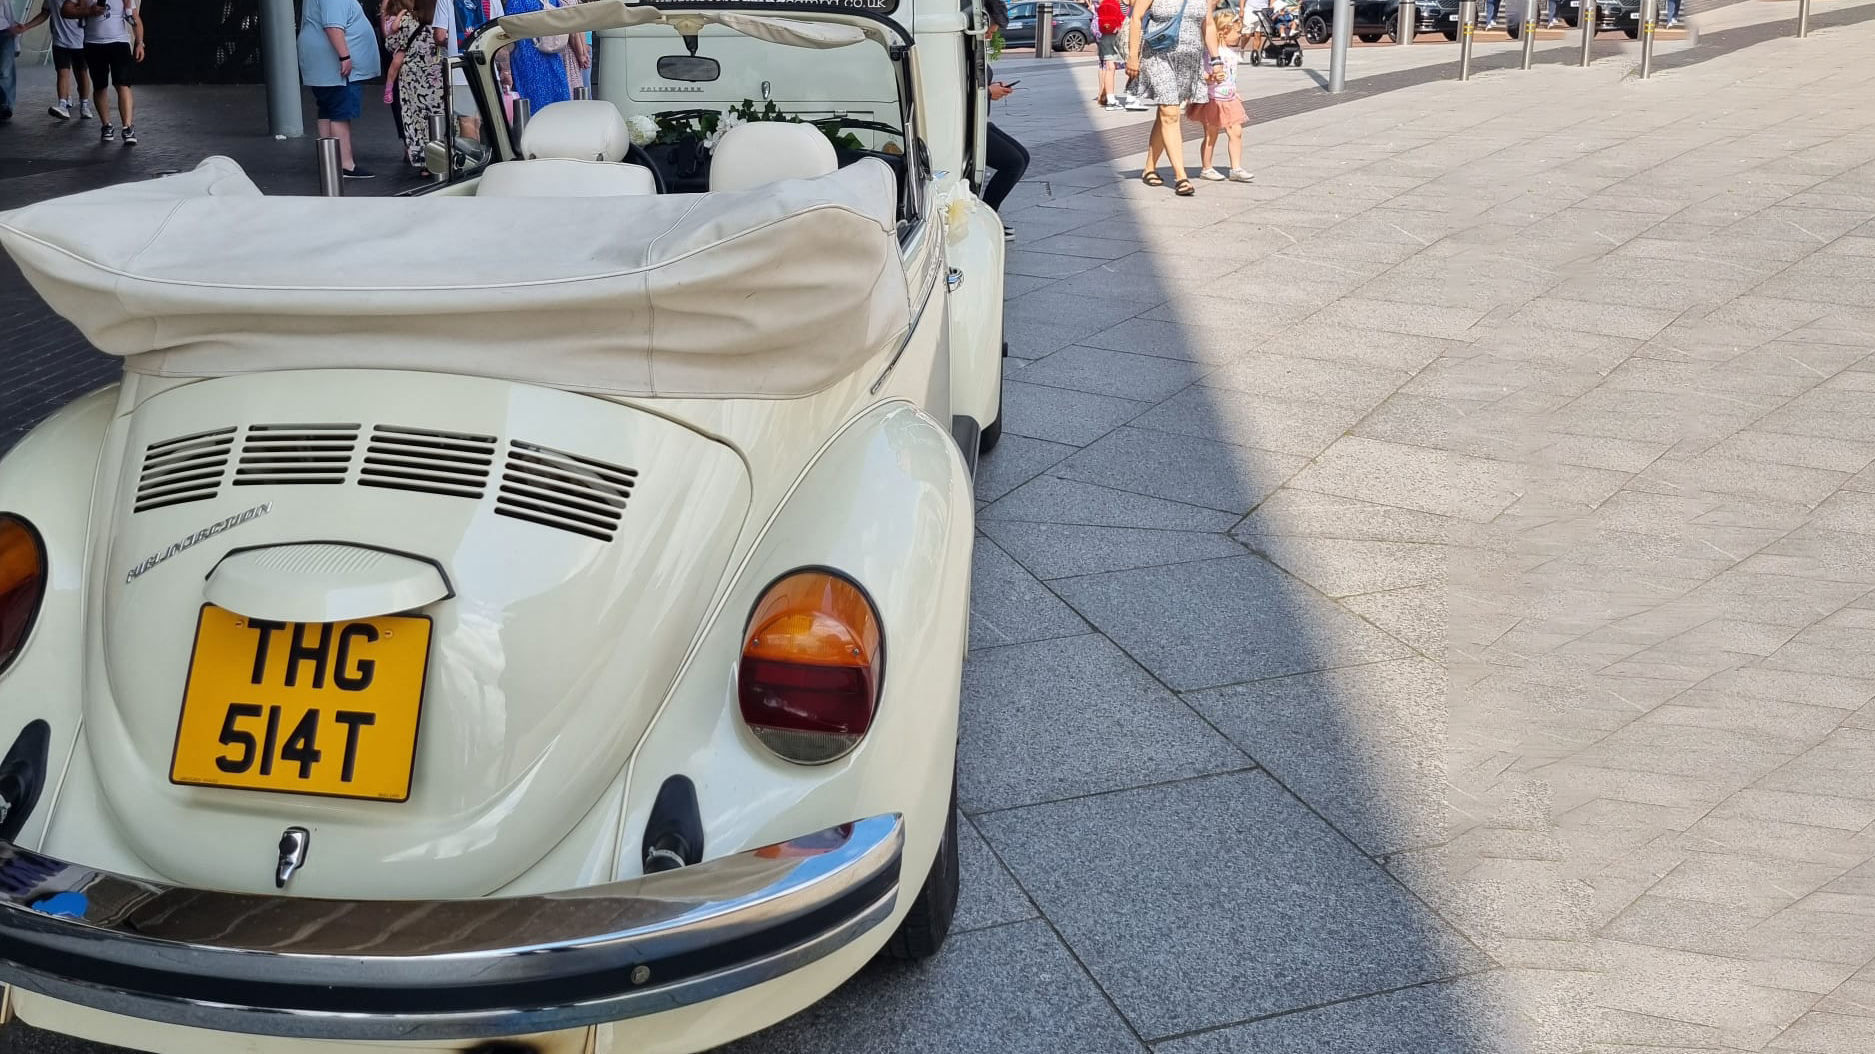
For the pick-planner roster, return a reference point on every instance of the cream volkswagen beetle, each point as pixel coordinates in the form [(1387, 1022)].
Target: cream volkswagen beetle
[(526, 616)]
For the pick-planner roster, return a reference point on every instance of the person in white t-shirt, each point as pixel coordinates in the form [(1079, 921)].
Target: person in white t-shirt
[(113, 44), (68, 57)]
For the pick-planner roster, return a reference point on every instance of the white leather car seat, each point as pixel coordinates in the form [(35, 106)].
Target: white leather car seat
[(570, 149), (750, 155)]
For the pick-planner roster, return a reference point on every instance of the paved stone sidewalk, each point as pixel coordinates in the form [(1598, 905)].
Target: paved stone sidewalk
[(1424, 598)]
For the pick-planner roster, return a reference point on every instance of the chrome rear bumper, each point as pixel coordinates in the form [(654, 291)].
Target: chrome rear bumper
[(441, 970)]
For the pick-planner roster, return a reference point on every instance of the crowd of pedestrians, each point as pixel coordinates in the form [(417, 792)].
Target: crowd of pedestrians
[(96, 45)]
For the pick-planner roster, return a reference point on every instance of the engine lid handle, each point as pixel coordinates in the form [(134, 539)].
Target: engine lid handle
[(324, 582)]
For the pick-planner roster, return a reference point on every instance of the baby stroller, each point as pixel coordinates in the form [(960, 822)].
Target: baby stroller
[(1282, 38)]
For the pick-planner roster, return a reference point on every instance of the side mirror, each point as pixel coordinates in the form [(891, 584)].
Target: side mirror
[(692, 68)]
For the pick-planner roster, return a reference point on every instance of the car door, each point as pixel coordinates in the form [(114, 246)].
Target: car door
[(1021, 30)]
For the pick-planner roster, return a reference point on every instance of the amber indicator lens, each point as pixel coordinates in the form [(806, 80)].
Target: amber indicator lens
[(811, 662), (22, 584)]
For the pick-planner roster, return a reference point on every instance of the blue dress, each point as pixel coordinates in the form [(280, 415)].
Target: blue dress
[(539, 78)]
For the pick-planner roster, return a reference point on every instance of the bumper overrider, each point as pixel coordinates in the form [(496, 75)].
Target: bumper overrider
[(411, 970)]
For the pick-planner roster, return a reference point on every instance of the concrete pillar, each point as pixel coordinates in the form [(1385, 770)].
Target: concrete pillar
[(279, 61)]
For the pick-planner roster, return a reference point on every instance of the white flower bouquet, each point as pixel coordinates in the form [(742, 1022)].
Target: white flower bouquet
[(644, 130)]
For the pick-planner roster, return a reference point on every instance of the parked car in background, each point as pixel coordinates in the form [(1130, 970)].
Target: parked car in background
[(1074, 26), (1624, 15), (1373, 19), (1609, 16)]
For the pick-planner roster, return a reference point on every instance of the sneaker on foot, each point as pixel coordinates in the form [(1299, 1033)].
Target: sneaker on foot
[(1133, 103), (59, 110), (1239, 175), (85, 112), (130, 136), (1552, 24), (1673, 23), (1009, 233), (106, 133), (1211, 174), (358, 172), (1115, 106)]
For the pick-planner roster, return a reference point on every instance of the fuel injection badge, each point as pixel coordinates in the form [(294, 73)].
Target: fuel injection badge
[(205, 533)]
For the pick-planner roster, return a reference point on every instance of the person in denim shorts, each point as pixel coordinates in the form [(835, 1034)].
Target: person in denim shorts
[(337, 49)]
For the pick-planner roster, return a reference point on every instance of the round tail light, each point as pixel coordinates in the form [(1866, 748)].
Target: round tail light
[(812, 660), (22, 584)]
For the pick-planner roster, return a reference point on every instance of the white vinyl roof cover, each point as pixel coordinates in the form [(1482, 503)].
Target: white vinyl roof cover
[(776, 292)]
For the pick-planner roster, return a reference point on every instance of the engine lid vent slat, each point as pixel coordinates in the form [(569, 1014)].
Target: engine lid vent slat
[(427, 461), (295, 454), (565, 491), (183, 469)]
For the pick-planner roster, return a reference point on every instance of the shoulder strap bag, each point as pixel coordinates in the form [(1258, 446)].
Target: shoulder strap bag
[(1165, 38)]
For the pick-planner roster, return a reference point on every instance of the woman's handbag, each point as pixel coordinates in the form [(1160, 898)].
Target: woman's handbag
[(1165, 38), (554, 43)]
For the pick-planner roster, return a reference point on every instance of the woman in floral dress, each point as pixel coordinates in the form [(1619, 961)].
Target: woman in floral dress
[(416, 71), (1171, 77)]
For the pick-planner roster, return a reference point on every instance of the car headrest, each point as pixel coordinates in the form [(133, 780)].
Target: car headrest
[(750, 155), (579, 129), (559, 177)]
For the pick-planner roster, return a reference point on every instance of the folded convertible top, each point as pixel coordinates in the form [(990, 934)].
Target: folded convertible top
[(771, 293)]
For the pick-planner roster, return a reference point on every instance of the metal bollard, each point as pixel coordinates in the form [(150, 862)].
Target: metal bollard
[(1339, 38), (331, 179), (1409, 21), (1588, 28), (1650, 10), (439, 133), (1044, 29), (523, 109), (1529, 33), (1467, 25), (1803, 18)]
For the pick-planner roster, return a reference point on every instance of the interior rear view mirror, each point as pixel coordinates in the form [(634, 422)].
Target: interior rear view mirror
[(693, 68)]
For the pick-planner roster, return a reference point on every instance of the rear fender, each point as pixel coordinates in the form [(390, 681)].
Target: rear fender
[(887, 503), (975, 252), (49, 478)]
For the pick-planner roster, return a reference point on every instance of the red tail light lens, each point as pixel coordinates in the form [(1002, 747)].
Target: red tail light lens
[(22, 584), (811, 666)]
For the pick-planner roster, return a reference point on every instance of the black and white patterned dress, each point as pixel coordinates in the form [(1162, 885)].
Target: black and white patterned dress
[(1175, 75)]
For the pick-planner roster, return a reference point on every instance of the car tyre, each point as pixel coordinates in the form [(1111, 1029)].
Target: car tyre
[(1368, 38), (1073, 40), (1572, 21), (1315, 29), (929, 921), (1633, 32), (1513, 30), (1450, 34)]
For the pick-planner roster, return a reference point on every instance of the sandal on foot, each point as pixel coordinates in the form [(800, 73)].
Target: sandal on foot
[(1185, 189), (1152, 179)]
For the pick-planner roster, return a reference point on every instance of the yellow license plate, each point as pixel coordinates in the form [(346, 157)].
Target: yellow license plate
[(303, 707)]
